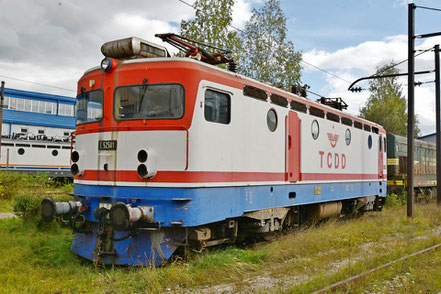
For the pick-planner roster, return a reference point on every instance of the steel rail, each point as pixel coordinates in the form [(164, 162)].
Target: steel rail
[(342, 284)]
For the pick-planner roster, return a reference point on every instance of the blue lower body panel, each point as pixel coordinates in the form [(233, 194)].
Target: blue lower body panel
[(146, 248), (203, 205)]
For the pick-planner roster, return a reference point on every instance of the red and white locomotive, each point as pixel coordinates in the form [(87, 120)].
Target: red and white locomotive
[(175, 152)]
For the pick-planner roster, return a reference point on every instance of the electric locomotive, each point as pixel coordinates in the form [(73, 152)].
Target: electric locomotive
[(176, 152)]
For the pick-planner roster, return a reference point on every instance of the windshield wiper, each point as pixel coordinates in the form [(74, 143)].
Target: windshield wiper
[(142, 93)]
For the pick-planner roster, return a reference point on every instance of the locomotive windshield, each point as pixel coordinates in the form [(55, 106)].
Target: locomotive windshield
[(89, 107), (160, 101)]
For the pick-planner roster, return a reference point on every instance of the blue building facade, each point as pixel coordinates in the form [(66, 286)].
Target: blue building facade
[(32, 114)]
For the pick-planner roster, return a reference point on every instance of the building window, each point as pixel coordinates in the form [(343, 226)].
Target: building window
[(27, 105), (66, 109), (20, 104), (41, 106), (6, 103), (34, 106), (217, 107), (12, 103), (370, 141), (50, 108), (41, 132), (24, 130)]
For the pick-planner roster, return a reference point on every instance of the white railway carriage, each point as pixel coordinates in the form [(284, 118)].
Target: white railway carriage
[(33, 156), (183, 153)]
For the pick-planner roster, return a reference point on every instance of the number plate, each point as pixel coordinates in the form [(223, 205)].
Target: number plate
[(107, 145)]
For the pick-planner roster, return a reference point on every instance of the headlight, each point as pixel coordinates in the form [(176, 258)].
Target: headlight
[(75, 156), (75, 170), (142, 155), (106, 64)]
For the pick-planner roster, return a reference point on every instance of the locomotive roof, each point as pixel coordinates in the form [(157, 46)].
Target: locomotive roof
[(245, 78)]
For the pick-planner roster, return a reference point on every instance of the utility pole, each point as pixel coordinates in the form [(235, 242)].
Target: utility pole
[(438, 126), (2, 99), (410, 109)]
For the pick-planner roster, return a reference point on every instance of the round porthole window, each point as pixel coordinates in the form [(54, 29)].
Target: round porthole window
[(315, 130), (20, 151), (271, 120), (54, 152), (370, 141), (348, 136)]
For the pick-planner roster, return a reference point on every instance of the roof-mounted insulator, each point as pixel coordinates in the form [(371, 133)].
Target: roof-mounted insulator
[(133, 48)]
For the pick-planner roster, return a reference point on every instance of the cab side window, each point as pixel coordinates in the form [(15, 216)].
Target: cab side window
[(217, 107)]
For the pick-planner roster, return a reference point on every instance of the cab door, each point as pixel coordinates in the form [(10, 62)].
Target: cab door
[(293, 147), (380, 156)]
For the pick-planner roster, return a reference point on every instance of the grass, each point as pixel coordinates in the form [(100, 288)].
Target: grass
[(36, 259), (6, 205)]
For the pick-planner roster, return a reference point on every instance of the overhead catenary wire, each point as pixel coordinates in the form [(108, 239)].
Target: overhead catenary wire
[(325, 71), (37, 83), (401, 62)]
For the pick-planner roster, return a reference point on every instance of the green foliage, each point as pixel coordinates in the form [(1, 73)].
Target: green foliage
[(28, 206), (67, 188), (211, 25), (394, 200), (267, 55), (387, 105), (12, 183), (261, 49)]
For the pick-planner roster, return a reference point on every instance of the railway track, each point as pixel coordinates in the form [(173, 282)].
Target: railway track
[(343, 284)]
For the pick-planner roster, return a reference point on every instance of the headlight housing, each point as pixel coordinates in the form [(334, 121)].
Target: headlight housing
[(106, 64)]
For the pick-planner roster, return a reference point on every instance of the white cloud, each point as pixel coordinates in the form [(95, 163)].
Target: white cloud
[(54, 42), (359, 61), (241, 13)]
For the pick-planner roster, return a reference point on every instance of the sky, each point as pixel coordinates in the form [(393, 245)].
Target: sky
[(53, 43)]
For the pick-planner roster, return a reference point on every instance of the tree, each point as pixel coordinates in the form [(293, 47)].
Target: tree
[(387, 105), (211, 25), (267, 56)]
